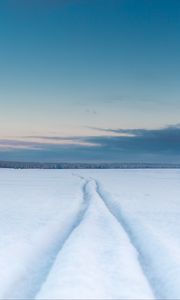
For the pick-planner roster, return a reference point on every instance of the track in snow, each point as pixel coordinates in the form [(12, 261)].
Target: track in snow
[(98, 261), (29, 280), (116, 211)]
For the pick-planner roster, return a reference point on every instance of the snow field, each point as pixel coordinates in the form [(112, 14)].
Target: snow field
[(93, 234)]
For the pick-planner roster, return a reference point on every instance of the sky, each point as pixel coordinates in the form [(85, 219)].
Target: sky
[(90, 80)]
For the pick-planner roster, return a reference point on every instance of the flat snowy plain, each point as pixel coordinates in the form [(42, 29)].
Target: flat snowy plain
[(89, 234)]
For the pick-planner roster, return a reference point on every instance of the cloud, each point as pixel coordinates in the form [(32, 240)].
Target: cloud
[(157, 144), (43, 142), (167, 133), (118, 145)]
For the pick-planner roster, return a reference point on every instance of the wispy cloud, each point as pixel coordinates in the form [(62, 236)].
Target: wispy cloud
[(42, 142), (169, 132)]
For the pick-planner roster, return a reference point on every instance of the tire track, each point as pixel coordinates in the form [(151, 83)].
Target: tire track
[(117, 213), (98, 234), (30, 281), (35, 270)]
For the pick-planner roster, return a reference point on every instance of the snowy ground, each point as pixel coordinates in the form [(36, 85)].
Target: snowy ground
[(89, 234)]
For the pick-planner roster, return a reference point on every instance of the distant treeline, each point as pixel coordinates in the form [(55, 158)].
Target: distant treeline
[(64, 165)]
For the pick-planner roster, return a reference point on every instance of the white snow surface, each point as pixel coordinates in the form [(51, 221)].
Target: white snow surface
[(89, 234)]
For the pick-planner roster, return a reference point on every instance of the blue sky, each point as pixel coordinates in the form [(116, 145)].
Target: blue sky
[(77, 77)]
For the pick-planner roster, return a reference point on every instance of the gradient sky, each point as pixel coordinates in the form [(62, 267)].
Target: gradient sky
[(78, 77)]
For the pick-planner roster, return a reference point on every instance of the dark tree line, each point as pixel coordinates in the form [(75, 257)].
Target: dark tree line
[(65, 165)]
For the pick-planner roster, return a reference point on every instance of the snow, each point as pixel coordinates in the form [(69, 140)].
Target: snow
[(89, 234)]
